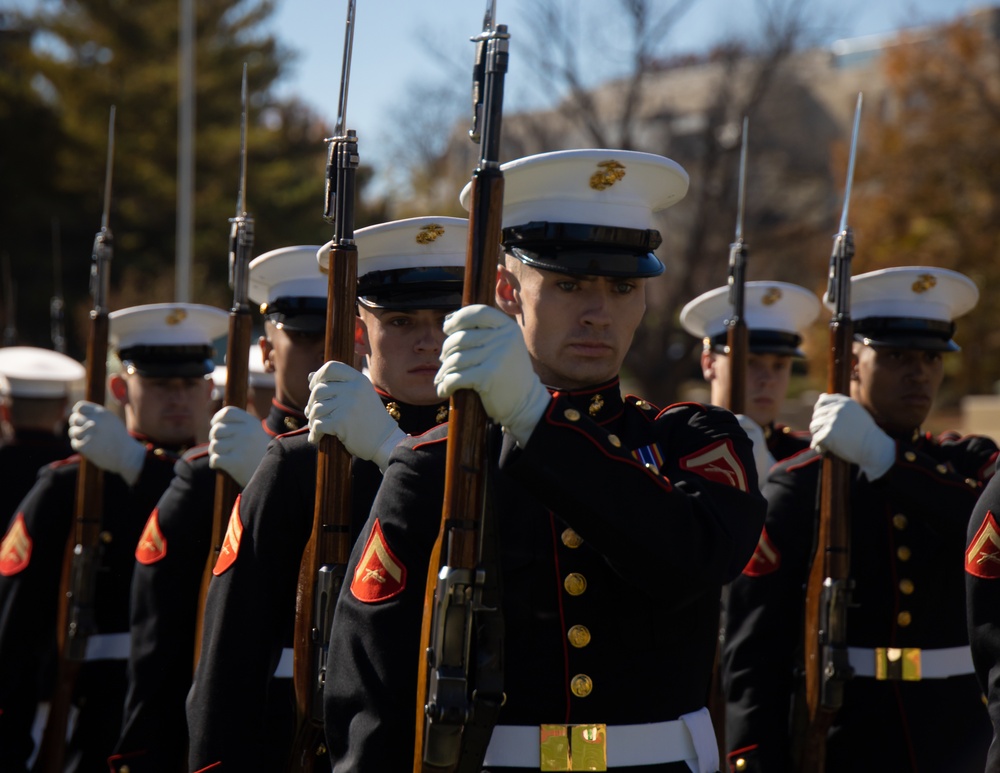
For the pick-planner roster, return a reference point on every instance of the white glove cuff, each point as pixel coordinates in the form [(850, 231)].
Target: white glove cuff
[(880, 457), (381, 457), (528, 417), (133, 458)]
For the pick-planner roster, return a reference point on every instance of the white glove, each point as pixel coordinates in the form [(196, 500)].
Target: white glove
[(344, 403), (236, 443), (762, 457), (842, 427), (485, 351), (100, 436)]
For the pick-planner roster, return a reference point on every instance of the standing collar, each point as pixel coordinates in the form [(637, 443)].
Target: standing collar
[(602, 402), (414, 419), (283, 418)]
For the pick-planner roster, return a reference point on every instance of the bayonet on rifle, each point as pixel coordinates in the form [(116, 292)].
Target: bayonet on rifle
[(77, 621), (324, 560), (241, 236), (450, 691), (9, 291), (57, 307), (736, 326), (828, 591)]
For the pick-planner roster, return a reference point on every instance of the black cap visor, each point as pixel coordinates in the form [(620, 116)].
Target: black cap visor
[(765, 342), (585, 250), (168, 361), (930, 335), (428, 287), (297, 314)]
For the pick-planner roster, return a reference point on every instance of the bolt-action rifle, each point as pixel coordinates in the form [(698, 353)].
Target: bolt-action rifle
[(737, 347), (77, 621), (450, 700), (828, 591), (238, 343), (324, 560)]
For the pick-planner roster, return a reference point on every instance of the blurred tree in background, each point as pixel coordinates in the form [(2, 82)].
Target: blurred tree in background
[(929, 176), (62, 69)]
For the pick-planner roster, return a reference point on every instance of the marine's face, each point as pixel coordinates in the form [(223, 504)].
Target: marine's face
[(896, 386), (403, 348), (167, 410), (578, 329), (291, 356), (767, 379)]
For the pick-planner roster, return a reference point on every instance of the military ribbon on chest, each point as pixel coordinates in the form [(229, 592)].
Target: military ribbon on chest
[(649, 456)]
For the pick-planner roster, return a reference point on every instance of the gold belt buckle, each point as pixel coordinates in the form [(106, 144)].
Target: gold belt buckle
[(573, 747), (897, 663)]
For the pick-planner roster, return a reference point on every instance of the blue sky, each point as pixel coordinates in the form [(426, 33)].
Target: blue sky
[(398, 42), (401, 43)]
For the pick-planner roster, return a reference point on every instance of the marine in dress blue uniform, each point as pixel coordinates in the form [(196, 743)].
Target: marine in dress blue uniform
[(982, 589), (35, 390), (617, 523), (913, 703), (165, 351), (174, 545), (241, 709), (777, 315)]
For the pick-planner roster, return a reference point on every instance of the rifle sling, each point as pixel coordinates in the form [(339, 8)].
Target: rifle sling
[(488, 638)]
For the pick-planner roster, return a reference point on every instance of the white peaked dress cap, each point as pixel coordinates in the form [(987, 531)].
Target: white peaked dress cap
[(167, 339), (588, 211), (29, 371), (290, 288), (777, 314), (597, 187), (910, 307), (417, 263)]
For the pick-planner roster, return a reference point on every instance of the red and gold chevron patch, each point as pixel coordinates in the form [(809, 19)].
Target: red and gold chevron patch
[(982, 559), (15, 550), (152, 544), (379, 575), (765, 558), (718, 463), (231, 544)]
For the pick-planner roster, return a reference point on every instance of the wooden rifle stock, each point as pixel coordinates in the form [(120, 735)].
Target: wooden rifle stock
[(325, 557), (829, 576), (324, 560), (464, 492), (452, 596), (76, 619), (828, 589), (241, 235)]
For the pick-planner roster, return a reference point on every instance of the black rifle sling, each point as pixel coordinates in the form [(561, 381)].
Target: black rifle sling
[(488, 631)]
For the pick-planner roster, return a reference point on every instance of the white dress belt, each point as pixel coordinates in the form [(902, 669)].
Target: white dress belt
[(107, 646), (934, 664), (284, 668), (690, 739)]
